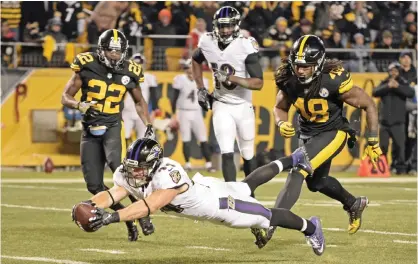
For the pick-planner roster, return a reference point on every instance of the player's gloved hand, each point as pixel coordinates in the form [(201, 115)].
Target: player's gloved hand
[(286, 129), (83, 107), (221, 76), (372, 150), (102, 218), (204, 99), (149, 133)]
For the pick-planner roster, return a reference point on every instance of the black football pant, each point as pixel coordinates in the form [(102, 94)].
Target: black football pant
[(397, 133), (321, 150), (96, 151)]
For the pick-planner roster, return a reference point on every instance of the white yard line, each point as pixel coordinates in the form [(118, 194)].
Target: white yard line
[(17, 186), (275, 180), (177, 217), (405, 242), (372, 232), (50, 260), (208, 248), (103, 250)]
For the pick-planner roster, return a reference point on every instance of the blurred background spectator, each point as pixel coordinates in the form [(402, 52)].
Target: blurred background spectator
[(393, 92), (341, 24)]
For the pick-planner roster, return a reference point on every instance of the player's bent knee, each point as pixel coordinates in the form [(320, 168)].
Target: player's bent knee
[(315, 185), (247, 153), (228, 156)]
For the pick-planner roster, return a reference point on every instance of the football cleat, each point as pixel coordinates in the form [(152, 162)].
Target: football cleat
[(261, 237), (133, 233), (354, 214), (301, 160), (317, 239), (146, 225)]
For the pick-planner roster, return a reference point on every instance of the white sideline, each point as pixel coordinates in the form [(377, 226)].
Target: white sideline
[(209, 248), (275, 180), (62, 261), (405, 242), (172, 216), (103, 250)]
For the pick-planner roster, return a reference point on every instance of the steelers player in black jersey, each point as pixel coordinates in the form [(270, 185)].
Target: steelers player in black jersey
[(104, 77), (318, 88)]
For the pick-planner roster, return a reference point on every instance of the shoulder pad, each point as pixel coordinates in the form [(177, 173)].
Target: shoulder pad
[(338, 80), (134, 70), (250, 45), (83, 60)]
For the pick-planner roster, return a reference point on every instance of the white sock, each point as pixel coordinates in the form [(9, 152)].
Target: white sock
[(279, 164), (188, 165), (208, 165), (305, 225)]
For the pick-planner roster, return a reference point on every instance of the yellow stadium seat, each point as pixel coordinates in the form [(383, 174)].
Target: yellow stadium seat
[(173, 55), (148, 48)]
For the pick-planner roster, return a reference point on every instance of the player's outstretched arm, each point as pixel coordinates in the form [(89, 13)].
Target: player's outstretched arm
[(137, 210), (106, 199), (280, 111), (71, 88), (149, 205)]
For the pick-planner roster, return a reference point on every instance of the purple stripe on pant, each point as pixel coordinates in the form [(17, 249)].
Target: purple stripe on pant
[(245, 207)]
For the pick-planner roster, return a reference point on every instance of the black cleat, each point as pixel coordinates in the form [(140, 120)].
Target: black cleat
[(133, 233), (261, 237), (146, 225), (355, 213)]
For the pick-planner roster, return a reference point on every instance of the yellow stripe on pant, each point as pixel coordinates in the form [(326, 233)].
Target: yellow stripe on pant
[(328, 151), (122, 141)]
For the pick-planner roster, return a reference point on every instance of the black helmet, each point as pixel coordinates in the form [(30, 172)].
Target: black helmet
[(143, 158), (112, 40), (308, 50), (226, 16)]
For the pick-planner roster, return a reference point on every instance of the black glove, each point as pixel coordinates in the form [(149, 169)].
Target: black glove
[(90, 202), (102, 218), (204, 99), (149, 133)]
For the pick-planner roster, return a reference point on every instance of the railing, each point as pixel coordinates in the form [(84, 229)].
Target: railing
[(163, 52)]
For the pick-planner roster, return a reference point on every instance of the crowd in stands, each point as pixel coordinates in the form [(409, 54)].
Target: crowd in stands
[(274, 24)]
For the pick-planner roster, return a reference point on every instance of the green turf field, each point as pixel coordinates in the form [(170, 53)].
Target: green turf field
[(37, 228)]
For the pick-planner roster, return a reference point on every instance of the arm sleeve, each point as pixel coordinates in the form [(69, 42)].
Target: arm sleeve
[(153, 98), (175, 98), (253, 66), (198, 56)]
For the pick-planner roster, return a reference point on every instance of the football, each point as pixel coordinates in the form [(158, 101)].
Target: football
[(82, 213)]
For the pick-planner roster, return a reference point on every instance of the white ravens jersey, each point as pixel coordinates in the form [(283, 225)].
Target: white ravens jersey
[(188, 92), (149, 81), (231, 60)]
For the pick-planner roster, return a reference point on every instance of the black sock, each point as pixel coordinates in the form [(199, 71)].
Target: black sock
[(228, 167), (186, 150), (262, 175), (287, 162), (249, 166), (290, 193), (286, 219), (206, 151), (333, 189)]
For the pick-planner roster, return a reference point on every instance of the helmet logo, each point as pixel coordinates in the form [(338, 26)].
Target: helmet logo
[(175, 176), (115, 43), (154, 153), (323, 92), (255, 44), (125, 80)]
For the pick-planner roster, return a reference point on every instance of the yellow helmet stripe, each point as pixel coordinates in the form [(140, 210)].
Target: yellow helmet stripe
[(115, 35), (302, 45)]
